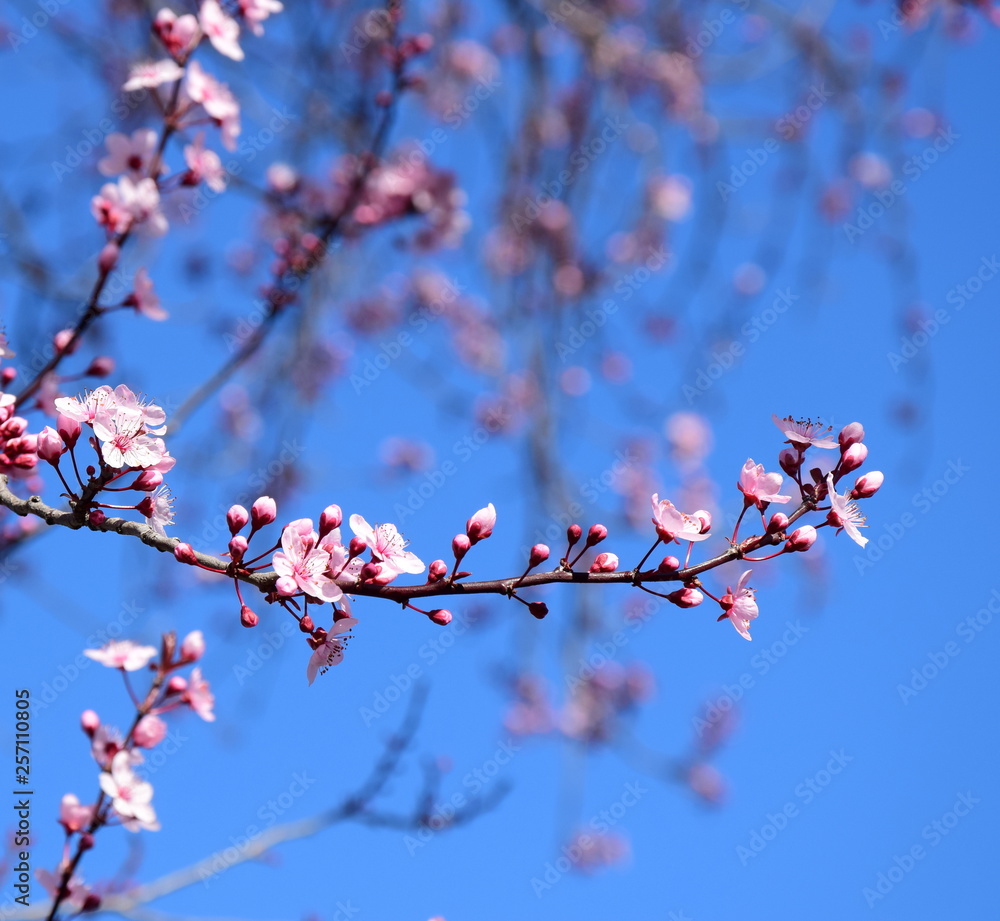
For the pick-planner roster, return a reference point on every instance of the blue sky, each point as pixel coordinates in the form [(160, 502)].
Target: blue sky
[(861, 771)]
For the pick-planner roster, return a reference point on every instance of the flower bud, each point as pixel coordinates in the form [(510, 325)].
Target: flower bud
[(50, 445), (686, 597), (69, 430), (853, 457), (90, 722), (237, 548), (285, 586), (237, 518), (538, 609), (147, 481), (801, 539), (247, 617), (604, 562), (97, 517), (440, 616), (62, 339), (371, 570), (867, 485), (480, 526), (669, 564), (330, 519), (356, 547), (149, 731), (184, 553), (573, 534), (777, 522), (176, 685), (306, 624), (539, 554), (192, 647), (437, 571), (6, 376), (789, 461), (596, 534), (108, 257), (263, 512), (851, 434), (460, 545), (101, 366)]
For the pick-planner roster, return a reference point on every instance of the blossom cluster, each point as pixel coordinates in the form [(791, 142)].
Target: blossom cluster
[(126, 797)]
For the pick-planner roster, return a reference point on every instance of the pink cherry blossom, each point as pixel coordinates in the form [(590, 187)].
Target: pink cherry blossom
[(193, 646), (760, 487), (150, 74), (130, 202), (73, 816), (98, 400), (149, 732), (387, 545), (106, 743), (217, 100), (304, 561), (123, 654), (805, 432), (331, 652), (845, 514), (204, 165), (673, 524), (152, 416), (143, 298), (124, 442), (744, 606), (256, 11), (221, 29), (131, 155), (199, 697), (131, 798), (341, 567), (163, 512), (176, 32)]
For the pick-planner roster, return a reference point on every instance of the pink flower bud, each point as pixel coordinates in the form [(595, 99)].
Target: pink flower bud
[(853, 457), (596, 534), (238, 547), (263, 512), (538, 609), (686, 597), (237, 518), (777, 522), (306, 624), (7, 375), (481, 525), (851, 434), (69, 430), (801, 539), (371, 570), (440, 616), (330, 519), (604, 562), (50, 445), (573, 534), (97, 517), (789, 461), (460, 545), (356, 547), (669, 564), (101, 366), (193, 647), (286, 586), (248, 618), (149, 732), (176, 685), (437, 571), (108, 257), (539, 554), (184, 553), (90, 722), (147, 481), (62, 339), (867, 485)]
